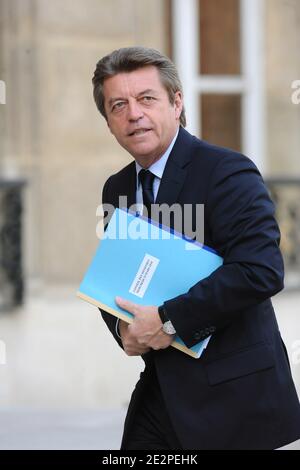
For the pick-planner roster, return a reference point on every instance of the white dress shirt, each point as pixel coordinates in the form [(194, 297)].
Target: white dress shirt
[(157, 169)]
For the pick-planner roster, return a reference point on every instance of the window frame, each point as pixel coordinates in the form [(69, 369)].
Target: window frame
[(250, 84)]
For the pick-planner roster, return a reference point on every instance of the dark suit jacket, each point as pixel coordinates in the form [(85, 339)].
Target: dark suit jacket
[(240, 393)]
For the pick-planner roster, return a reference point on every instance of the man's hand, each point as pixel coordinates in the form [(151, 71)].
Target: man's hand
[(145, 330), (130, 343)]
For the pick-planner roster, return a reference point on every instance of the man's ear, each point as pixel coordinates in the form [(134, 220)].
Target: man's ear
[(178, 103)]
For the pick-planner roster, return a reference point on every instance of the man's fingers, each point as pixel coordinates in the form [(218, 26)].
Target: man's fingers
[(127, 305)]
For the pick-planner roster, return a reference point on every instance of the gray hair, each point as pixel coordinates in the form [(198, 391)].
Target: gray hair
[(128, 59)]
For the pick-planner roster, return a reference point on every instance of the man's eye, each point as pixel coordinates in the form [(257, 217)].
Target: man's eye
[(118, 105), (147, 99)]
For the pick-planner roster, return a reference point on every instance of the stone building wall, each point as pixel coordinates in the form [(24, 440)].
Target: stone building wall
[(54, 134), (282, 55), (59, 352)]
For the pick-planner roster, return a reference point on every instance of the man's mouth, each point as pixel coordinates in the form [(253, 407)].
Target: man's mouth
[(141, 131)]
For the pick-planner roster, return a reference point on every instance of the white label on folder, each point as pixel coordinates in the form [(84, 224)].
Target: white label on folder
[(144, 275)]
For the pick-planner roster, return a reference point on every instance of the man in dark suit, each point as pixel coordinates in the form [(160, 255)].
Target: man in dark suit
[(240, 393)]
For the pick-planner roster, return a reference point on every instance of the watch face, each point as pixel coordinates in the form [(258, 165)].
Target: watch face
[(169, 328)]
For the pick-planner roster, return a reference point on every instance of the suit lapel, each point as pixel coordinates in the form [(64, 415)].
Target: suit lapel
[(173, 177), (127, 189), (131, 193), (175, 170)]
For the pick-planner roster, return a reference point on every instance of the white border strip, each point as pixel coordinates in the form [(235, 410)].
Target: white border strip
[(220, 84), (253, 109), (186, 57)]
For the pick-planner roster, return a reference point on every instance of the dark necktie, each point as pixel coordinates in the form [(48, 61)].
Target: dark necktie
[(146, 179)]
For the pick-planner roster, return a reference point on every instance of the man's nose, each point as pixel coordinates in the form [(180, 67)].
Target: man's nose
[(135, 111)]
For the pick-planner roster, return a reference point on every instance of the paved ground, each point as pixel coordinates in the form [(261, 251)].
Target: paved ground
[(76, 430), (32, 428)]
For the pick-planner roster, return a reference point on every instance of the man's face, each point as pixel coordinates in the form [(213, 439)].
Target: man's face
[(139, 113)]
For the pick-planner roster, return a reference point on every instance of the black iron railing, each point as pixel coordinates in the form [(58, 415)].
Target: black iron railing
[(11, 273), (285, 193)]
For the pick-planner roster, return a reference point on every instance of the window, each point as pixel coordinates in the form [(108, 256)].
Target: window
[(217, 47), (221, 119), (219, 37)]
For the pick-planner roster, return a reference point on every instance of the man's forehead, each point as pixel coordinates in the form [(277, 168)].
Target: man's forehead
[(146, 78)]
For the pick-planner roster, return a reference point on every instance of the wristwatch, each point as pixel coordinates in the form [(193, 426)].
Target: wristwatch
[(167, 327)]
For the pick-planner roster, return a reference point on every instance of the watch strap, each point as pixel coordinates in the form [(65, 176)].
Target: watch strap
[(163, 314), (167, 327)]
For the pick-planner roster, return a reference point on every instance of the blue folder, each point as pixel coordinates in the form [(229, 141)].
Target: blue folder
[(148, 264)]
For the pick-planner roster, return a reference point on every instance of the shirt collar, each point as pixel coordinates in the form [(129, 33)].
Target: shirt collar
[(158, 167)]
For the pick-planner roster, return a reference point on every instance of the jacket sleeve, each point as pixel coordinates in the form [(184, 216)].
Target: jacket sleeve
[(241, 222), (110, 320)]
